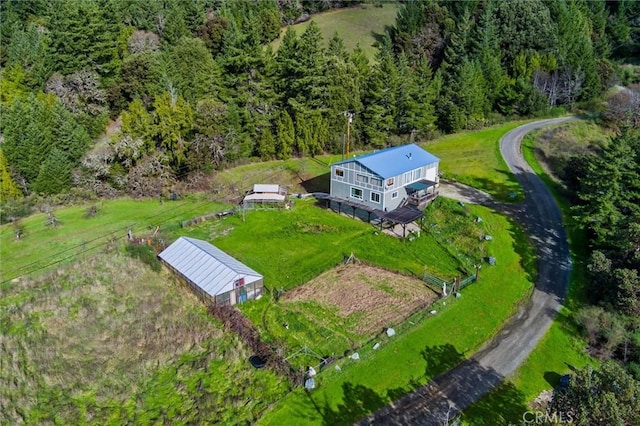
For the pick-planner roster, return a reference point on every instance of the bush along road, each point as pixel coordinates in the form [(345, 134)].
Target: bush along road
[(452, 392)]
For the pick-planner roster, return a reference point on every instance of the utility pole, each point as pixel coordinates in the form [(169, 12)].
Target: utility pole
[(349, 116)]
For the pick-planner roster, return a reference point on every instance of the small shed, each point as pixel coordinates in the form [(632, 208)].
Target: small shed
[(264, 194), (211, 273)]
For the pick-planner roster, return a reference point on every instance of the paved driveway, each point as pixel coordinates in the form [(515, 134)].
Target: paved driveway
[(455, 390)]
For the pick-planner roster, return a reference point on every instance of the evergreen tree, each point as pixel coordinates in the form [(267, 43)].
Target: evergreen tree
[(471, 91), (174, 121), (33, 127), (310, 81), (524, 26), (191, 70), (138, 123), (54, 174), (82, 37), (9, 190), (286, 64), (28, 49), (285, 135), (266, 144), (415, 97), (344, 91), (610, 191), (382, 88), (12, 84), (498, 83)]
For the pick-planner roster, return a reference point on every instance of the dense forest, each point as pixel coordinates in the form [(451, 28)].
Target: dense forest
[(194, 86), (197, 86)]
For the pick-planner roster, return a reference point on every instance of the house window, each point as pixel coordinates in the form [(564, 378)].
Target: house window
[(417, 174), (362, 178), (356, 193), (339, 172), (375, 197), (394, 194), (390, 182), (407, 177), (376, 181)]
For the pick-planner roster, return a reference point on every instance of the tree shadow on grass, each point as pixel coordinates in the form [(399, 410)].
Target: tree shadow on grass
[(456, 384), (504, 405), (357, 402), (320, 183), (522, 245), (500, 191), (379, 37), (440, 359), (552, 378)]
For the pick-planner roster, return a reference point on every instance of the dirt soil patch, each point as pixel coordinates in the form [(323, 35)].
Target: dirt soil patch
[(373, 297)]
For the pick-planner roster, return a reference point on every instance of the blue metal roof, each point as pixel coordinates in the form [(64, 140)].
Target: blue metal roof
[(394, 161)]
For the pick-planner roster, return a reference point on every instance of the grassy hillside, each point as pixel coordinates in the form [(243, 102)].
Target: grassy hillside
[(108, 341), (84, 230), (290, 247), (469, 157), (423, 350), (474, 158), (362, 24)]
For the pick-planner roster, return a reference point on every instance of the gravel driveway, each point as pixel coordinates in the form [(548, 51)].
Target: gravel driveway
[(452, 392)]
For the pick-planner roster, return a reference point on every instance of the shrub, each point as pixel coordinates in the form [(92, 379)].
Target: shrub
[(146, 254)]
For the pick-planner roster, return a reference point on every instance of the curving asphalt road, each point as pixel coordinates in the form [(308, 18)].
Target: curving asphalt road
[(450, 393)]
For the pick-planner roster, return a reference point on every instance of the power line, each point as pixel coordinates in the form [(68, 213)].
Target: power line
[(85, 250)]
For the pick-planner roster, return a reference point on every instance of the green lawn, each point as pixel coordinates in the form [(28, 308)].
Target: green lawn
[(469, 157), (362, 24), (474, 158), (425, 349), (42, 246), (562, 349), (290, 247)]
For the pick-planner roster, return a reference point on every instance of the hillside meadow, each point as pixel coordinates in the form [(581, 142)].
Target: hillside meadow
[(292, 248), (362, 25)]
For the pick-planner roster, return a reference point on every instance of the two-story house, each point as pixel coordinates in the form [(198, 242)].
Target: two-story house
[(387, 179)]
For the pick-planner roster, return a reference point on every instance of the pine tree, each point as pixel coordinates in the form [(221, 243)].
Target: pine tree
[(286, 136), (382, 88), (9, 190), (55, 174), (266, 144)]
